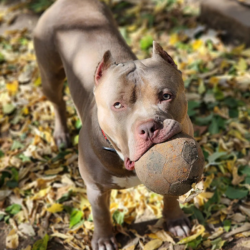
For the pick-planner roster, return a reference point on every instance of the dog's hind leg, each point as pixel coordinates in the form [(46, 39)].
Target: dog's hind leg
[(53, 76)]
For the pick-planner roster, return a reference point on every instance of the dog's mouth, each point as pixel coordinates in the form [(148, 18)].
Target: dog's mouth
[(129, 165)]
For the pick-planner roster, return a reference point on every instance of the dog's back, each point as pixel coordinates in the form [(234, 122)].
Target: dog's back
[(77, 33)]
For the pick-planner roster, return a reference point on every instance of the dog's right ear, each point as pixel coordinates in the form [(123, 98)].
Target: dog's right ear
[(105, 63)]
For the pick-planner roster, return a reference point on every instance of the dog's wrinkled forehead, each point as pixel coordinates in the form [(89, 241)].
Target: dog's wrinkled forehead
[(150, 71)]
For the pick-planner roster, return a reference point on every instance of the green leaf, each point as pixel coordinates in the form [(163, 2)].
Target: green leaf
[(216, 156), (75, 217), (65, 197), (42, 243), (236, 193), (15, 174), (247, 180), (16, 145), (245, 170), (233, 113), (2, 217), (3, 176), (1, 153), (201, 88), (214, 127), (118, 217), (24, 158), (2, 59), (146, 42), (218, 94), (217, 244), (6, 219), (195, 243), (8, 109), (195, 213), (227, 225), (204, 120), (150, 19), (76, 140), (230, 102), (192, 105), (13, 209), (60, 155), (78, 124), (12, 184)]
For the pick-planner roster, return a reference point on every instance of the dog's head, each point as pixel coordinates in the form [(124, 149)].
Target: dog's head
[(140, 103)]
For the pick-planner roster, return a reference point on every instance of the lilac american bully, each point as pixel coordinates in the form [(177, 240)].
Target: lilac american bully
[(125, 105)]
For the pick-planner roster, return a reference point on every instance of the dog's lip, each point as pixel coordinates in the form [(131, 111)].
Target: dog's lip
[(129, 165)]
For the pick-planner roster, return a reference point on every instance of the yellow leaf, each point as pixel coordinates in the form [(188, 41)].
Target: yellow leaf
[(246, 53), (242, 65), (27, 248), (224, 64), (208, 181), (237, 134), (84, 203), (200, 229), (62, 236), (216, 234), (130, 247), (237, 50), (237, 179), (54, 171), (153, 244), (25, 111), (174, 38), (214, 80), (56, 207), (12, 239), (41, 193), (12, 87), (164, 236), (197, 44), (38, 81)]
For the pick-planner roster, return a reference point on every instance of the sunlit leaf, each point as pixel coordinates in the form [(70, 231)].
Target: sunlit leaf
[(54, 208), (153, 244), (75, 217)]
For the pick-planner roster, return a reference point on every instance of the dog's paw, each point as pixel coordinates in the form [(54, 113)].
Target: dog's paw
[(62, 140), (178, 227), (104, 243)]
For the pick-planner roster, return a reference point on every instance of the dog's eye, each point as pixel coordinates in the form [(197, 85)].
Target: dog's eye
[(166, 96), (118, 105)]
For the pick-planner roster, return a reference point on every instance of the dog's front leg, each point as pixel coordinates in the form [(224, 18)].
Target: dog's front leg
[(176, 221), (103, 238)]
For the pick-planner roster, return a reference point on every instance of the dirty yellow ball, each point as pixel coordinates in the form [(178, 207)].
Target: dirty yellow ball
[(170, 168)]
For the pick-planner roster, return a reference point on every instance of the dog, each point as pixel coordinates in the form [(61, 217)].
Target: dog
[(125, 105)]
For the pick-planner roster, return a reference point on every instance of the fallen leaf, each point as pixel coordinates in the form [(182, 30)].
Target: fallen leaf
[(153, 244), (12, 239), (27, 229), (54, 208)]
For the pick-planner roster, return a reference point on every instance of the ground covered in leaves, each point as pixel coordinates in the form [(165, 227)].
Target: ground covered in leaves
[(42, 195)]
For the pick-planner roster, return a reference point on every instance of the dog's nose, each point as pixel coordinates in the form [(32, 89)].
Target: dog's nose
[(148, 130)]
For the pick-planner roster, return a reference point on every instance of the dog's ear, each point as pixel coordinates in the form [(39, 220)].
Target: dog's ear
[(158, 50), (105, 63)]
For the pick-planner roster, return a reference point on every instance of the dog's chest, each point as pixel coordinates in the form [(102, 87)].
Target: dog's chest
[(126, 182)]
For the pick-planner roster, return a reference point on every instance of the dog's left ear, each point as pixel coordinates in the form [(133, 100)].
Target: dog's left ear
[(158, 50), (105, 63)]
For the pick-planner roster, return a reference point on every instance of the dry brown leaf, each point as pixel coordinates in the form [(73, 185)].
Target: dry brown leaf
[(245, 210), (26, 229), (241, 229)]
